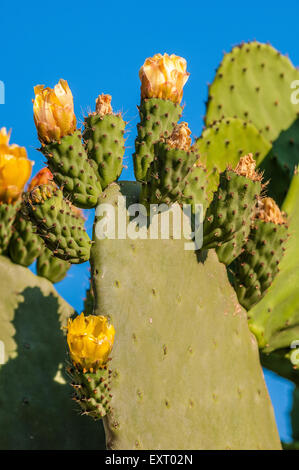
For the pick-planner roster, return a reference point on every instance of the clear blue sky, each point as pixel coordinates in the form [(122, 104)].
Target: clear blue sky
[(99, 47)]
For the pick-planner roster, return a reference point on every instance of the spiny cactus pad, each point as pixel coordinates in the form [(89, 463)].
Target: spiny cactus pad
[(35, 407), (231, 250), (230, 209), (177, 335), (105, 144), (60, 227), (275, 319), (157, 117), (73, 171), (7, 216), (24, 246), (224, 142), (51, 267), (253, 82)]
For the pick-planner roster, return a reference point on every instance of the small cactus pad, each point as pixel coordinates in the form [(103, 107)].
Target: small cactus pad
[(253, 82), (73, 171), (157, 117), (7, 216), (224, 142), (105, 144), (172, 384), (51, 267), (230, 209), (232, 249), (24, 246), (58, 224), (36, 412), (257, 266), (275, 319), (91, 390)]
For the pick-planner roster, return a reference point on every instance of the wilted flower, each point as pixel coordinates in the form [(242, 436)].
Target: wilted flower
[(103, 105), (180, 137), (90, 340), (163, 77), (54, 112), (15, 169)]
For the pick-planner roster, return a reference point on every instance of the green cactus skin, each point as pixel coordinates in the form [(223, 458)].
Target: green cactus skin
[(61, 229), (24, 246), (91, 391), (73, 171), (253, 83), (7, 216), (231, 250), (51, 267), (275, 319), (157, 117), (36, 412), (168, 173), (168, 328), (197, 187), (257, 266), (105, 144), (224, 142), (231, 208), (89, 300)]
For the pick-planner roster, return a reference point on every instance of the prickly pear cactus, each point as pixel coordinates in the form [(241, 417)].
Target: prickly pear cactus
[(35, 407), (205, 333)]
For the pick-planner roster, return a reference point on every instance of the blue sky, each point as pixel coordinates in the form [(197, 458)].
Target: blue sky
[(98, 47)]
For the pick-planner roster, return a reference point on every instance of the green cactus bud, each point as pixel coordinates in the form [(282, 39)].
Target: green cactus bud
[(104, 140), (232, 204), (58, 224), (51, 267), (157, 117), (7, 216), (73, 171)]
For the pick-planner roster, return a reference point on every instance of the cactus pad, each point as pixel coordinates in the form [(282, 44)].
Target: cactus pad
[(36, 412), (7, 216), (24, 246), (51, 267), (172, 383)]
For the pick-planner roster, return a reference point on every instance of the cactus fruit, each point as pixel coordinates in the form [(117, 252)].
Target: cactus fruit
[(157, 117), (180, 331), (7, 216), (257, 266), (24, 246), (232, 204), (104, 140), (51, 267), (275, 319), (173, 162), (35, 407), (71, 168), (61, 228)]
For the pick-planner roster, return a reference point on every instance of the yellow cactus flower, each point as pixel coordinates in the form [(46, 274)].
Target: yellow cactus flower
[(90, 340), (163, 77), (44, 176), (15, 169), (54, 112)]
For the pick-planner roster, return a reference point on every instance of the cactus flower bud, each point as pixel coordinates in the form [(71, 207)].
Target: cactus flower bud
[(15, 169), (44, 176), (163, 77), (54, 112), (90, 340), (103, 105)]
